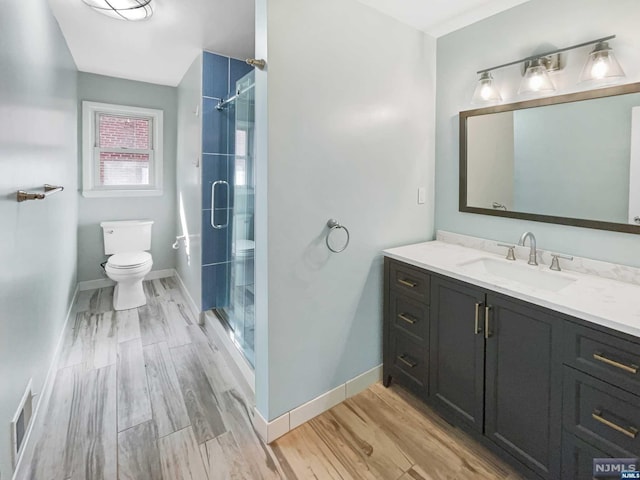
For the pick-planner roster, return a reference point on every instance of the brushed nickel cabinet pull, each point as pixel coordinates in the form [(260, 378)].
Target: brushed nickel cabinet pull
[(403, 316), (408, 363), (477, 329), (630, 432), (407, 283), (627, 368), (487, 310)]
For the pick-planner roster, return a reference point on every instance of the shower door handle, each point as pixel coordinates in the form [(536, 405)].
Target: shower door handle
[(213, 204)]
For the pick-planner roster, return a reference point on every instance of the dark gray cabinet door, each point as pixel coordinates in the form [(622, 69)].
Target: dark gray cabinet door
[(523, 384), (456, 379)]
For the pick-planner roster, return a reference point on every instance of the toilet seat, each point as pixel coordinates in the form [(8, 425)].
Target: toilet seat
[(129, 260)]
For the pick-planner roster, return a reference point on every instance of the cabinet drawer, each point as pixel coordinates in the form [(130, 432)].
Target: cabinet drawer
[(410, 280), (409, 315), (409, 359), (609, 358), (577, 458), (600, 413)]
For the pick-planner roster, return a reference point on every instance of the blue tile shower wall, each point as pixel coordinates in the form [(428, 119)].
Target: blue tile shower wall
[(237, 70), (218, 146), (215, 75)]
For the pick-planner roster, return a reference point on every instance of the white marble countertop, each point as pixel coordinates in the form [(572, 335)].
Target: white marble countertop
[(602, 301)]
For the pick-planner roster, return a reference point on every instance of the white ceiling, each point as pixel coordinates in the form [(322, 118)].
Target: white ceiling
[(439, 17), (161, 49)]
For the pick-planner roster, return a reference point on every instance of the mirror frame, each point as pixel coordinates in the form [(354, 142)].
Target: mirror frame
[(539, 102)]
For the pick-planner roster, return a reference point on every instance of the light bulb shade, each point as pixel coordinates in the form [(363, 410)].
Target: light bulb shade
[(133, 10), (602, 66), (486, 90), (536, 80)]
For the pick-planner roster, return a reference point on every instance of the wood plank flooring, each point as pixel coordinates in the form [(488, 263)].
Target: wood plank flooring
[(146, 394)]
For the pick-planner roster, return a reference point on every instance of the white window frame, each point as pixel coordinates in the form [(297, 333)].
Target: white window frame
[(91, 152)]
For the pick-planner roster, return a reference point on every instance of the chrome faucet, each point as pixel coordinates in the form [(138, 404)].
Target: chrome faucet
[(533, 260)]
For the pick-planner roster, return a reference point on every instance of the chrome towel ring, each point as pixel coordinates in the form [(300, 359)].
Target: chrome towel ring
[(334, 225)]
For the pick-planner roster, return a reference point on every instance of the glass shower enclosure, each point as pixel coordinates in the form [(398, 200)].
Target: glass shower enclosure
[(239, 313)]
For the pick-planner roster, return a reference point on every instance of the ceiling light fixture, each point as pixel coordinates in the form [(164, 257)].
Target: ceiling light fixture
[(132, 10), (601, 67)]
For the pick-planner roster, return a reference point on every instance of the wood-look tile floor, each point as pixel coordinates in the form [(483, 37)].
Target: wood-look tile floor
[(146, 394)]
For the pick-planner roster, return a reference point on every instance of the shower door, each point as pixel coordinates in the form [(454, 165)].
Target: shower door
[(240, 313)]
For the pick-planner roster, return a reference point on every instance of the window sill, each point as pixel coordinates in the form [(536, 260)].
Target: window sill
[(120, 193)]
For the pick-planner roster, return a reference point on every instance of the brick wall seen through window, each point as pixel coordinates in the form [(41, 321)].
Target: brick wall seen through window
[(118, 167)]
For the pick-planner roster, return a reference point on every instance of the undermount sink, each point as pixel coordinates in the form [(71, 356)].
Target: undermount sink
[(525, 275)]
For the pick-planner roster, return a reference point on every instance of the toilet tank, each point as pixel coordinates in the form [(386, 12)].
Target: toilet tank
[(126, 236)]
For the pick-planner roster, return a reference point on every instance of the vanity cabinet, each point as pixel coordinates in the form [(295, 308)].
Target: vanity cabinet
[(492, 368), (457, 351), (577, 458), (547, 392), (523, 383), (406, 327), (601, 399)]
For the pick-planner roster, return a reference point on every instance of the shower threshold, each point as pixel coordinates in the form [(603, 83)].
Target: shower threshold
[(244, 347)]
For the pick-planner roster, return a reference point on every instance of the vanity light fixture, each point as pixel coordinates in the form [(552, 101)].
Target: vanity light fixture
[(486, 90), (601, 67), (536, 79), (132, 10)]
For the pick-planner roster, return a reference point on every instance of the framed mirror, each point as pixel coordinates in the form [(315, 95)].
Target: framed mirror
[(571, 159)]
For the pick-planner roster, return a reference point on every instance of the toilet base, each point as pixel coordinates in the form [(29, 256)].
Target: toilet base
[(127, 295)]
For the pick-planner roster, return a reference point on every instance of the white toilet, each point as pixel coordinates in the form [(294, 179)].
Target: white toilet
[(126, 242)]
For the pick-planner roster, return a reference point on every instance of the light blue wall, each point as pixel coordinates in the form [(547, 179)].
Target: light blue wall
[(261, 218), (578, 155), (349, 136), (161, 209), (514, 34), (189, 179), (38, 241)]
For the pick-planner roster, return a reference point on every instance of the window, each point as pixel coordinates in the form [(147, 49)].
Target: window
[(122, 151)]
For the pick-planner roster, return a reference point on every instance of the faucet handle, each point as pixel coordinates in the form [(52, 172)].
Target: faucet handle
[(555, 263), (511, 252)]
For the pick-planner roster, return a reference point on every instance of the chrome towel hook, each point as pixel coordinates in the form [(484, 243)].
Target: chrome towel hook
[(334, 225)]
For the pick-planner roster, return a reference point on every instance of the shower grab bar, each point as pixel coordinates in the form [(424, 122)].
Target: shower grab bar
[(23, 196), (213, 204)]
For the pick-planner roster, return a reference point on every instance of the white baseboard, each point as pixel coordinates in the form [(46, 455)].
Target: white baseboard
[(107, 282), (195, 308), (45, 394), (270, 431), (156, 274), (318, 405), (363, 381)]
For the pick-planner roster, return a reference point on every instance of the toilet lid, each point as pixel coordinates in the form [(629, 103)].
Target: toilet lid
[(245, 245), (129, 259)]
